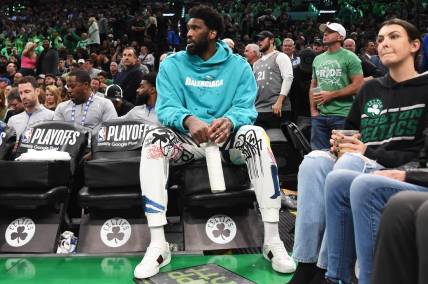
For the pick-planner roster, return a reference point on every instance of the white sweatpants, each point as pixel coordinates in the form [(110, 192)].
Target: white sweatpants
[(250, 145)]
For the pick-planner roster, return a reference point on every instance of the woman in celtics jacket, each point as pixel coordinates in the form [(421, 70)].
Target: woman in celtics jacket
[(342, 196), (391, 114)]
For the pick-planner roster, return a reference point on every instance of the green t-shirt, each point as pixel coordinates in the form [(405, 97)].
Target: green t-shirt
[(333, 71)]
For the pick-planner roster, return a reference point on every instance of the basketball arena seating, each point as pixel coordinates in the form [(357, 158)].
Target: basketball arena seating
[(34, 194), (111, 195), (112, 218)]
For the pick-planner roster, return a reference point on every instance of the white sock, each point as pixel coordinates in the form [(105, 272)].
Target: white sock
[(157, 236), (271, 233)]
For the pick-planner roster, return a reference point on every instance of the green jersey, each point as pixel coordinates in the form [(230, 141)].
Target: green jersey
[(333, 71)]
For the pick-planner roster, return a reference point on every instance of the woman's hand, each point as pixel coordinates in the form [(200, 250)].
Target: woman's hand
[(351, 144), (394, 174)]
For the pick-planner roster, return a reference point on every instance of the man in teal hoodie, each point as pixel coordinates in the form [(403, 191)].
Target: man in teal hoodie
[(207, 94)]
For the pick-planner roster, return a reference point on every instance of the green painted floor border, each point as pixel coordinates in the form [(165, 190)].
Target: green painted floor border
[(119, 269)]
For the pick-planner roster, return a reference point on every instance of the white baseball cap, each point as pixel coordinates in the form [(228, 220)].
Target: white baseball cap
[(334, 27)]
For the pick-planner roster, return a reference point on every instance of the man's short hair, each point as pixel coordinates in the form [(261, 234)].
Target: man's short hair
[(50, 75), (13, 95), (254, 47), (133, 50), (28, 79), (288, 40), (14, 63), (103, 74), (150, 78), (82, 76), (210, 16)]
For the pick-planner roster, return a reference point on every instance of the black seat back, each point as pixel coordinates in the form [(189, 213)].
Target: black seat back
[(55, 135), (116, 151), (7, 141), (118, 138), (296, 138)]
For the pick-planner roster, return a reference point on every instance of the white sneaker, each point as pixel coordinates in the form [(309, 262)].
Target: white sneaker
[(277, 254), (155, 258)]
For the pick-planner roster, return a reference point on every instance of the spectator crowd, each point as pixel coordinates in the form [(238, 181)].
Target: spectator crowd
[(98, 61)]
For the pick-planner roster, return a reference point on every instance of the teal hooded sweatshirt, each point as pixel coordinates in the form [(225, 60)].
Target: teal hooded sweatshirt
[(222, 86)]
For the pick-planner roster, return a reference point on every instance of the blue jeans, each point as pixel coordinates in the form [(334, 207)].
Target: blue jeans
[(309, 240), (322, 126), (354, 202)]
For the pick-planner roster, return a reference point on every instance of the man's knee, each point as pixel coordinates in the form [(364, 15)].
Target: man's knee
[(158, 135), (251, 141), (160, 142)]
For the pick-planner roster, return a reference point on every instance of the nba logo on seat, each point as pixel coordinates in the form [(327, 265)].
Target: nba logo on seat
[(28, 133), (102, 134)]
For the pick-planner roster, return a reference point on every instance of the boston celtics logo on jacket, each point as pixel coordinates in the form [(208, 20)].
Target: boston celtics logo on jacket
[(380, 124)]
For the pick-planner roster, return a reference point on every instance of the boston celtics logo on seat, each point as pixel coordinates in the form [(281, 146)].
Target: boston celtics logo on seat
[(115, 232), (220, 229), (20, 232)]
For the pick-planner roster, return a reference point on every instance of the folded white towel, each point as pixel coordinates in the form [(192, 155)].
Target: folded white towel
[(44, 155)]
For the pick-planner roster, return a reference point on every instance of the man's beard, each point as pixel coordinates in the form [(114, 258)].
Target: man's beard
[(141, 99), (198, 48), (264, 48)]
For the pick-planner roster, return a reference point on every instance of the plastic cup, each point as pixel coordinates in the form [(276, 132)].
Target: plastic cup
[(346, 133), (316, 90)]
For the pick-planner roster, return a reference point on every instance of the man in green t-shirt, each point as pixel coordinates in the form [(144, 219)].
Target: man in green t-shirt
[(337, 76)]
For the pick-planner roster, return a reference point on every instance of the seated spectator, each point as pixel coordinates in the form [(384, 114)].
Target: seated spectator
[(354, 201), (16, 78), (146, 58), (41, 80), (192, 115), (289, 48), (401, 249), (370, 70), (14, 104), (3, 107), (84, 107), (146, 100), (114, 93), (230, 43), (47, 61), (11, 69), (130, 78), (34, 111), (52, 97), (89, 67), (318, 47), (328, 186), (4, 82), (114, 71), (50, 80), (104, 81), (274, 75), (29, 59), (252, 53), (95, 87)]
